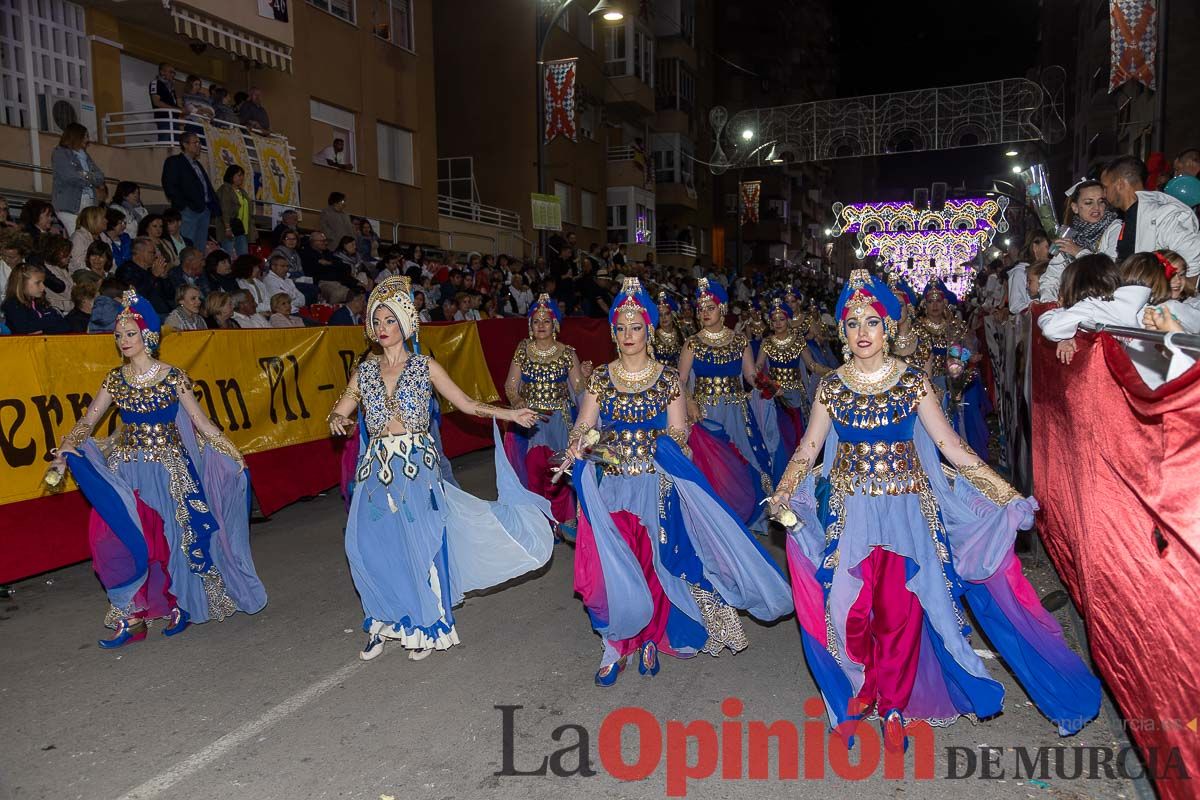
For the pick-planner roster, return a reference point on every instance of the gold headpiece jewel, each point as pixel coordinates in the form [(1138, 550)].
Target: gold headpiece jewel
[(396, 294)]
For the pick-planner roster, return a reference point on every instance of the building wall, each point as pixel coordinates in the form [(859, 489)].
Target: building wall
[(347, 66), (335, 62), (487, 106), (1101, 124)]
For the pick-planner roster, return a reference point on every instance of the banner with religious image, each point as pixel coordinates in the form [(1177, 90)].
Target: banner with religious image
[(1133, 42), (226, 147), (559, 99), (751, 192), (275, 181)]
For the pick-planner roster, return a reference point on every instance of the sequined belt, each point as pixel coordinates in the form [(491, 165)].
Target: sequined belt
[(409, 450), (633, 450), (719, 389), (146, 441), (546, 396), (787, 377), (878, 468)]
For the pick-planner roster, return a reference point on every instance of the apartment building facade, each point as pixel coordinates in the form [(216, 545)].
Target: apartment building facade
[(772, 56), (358, 70), (643, 88), (1132, 119)]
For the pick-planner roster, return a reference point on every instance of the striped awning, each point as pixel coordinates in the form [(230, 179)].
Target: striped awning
[(218, 33)]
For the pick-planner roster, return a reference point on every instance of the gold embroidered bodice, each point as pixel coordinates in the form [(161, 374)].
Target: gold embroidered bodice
[(632, 421), (875, 454), (783, 360), (718, 369), (148, 414), (545, 380)]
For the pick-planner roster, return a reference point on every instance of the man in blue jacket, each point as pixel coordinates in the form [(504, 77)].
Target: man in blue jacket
[(189, 190)]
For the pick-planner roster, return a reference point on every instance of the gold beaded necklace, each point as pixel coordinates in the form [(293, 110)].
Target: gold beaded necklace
[(874, 382), (144, 379), (635, 381)]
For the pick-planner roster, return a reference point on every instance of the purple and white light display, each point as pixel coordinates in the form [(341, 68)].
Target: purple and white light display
[(922, 244)]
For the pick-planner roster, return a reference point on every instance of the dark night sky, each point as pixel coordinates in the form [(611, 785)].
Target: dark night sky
[(914, 44)]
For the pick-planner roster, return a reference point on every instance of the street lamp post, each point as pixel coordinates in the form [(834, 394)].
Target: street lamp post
[(611, 12)]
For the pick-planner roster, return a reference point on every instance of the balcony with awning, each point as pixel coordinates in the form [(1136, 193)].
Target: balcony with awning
[(234, 26)]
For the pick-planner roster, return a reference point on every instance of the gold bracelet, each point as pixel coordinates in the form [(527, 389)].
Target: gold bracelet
[(989, 483), (338, 418), (577, 434), (797, 470), (681, 438), (77, 435)]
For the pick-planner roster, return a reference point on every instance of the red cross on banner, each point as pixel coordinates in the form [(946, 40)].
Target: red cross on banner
[(1134, 42), (559, 100)]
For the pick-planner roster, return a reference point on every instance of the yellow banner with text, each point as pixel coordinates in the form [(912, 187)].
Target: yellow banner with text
[(265, 388)]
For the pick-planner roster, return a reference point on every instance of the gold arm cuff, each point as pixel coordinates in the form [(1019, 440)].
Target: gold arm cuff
[(221, 444), (77, 435), (350, 391), (488, 410), (989, 484), (681, 438)]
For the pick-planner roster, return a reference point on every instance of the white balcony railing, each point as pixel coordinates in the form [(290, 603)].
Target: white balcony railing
[(455, 208), (624, 153), (675, 248), (138, 129)]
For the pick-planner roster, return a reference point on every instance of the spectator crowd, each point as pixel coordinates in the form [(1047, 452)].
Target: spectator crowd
[(1124, 255)]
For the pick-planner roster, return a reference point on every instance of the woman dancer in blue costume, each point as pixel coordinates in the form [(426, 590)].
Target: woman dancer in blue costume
[(883, 550), (545, 375), (728, 446), (937, 329), (661, 562), (415, 543), (668, 337), (170, 524), (786, 359)]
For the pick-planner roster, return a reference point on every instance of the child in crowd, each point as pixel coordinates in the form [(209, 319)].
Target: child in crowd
[(83, 297), (25, 307)]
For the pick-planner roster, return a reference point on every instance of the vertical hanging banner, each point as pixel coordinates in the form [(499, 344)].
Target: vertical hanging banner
[(559, 99), (226, 147), (1134, 42), (547, 212), (276, 176), (751, 192)]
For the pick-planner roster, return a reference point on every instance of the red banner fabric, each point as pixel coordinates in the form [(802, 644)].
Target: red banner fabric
[(51, 532), (1115, 468)]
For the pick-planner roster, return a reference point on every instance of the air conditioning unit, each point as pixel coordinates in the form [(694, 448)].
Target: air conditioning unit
[(56, 112)]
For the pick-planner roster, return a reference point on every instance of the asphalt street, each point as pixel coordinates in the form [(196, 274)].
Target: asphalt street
[(278, 705)]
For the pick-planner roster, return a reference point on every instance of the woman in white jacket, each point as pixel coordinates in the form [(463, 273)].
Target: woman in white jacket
[(1085, 222)]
